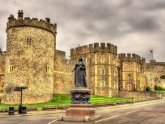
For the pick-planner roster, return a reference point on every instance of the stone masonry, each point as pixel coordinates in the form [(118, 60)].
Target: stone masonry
[(154, 70), (132, 76), (63, 75), (2, 72)]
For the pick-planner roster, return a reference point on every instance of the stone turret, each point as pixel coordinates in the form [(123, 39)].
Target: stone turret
[(30, 58), (102, 63), (34, 22), (132, 72)]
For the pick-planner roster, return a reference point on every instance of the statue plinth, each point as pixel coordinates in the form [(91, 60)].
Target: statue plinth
[(80, 96), (80, 108)]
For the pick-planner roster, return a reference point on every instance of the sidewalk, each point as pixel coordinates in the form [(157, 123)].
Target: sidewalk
[(55, 111), (31, 113)]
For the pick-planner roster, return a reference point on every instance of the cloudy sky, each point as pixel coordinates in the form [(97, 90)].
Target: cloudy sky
[(133, 25)]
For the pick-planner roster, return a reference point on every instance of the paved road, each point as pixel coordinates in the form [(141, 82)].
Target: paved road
[(142, 113), (152, 112)]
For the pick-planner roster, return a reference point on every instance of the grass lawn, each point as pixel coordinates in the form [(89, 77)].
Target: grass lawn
[(160, 91), (61, 99)]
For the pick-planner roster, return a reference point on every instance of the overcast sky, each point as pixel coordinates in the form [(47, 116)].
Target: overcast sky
[(133, 25)]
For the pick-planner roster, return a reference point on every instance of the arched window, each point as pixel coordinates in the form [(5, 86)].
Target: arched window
[(129, 87)]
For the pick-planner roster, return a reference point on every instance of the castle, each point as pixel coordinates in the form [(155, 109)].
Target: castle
[(31, 58)]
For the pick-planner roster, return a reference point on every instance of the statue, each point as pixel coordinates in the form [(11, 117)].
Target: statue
[(80, 74), (80, 109)]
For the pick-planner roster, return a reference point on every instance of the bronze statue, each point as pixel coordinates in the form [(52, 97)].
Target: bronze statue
[(80, 74)]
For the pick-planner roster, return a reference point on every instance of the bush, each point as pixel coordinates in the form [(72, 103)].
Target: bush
[(158, 88), (148, 88), (162, 76)]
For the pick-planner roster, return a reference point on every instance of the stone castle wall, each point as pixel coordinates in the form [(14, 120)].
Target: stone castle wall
[(153, 71), (63, 75), (2, 72), (132, 72), (29, 60)]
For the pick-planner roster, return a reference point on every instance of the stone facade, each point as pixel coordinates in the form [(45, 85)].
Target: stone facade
[(154, 70), (2, 72), (102, 67), (30, 59), (63, 75), (132, 76)]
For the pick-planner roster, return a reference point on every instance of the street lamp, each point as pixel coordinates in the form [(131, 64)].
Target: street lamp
[(20, 88)]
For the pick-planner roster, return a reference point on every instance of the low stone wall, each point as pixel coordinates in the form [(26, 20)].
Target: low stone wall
[(163, 94), (140, 95)]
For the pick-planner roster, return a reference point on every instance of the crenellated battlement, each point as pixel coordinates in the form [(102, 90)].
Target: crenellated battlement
[(130, 57), (96, 47), (154, 62), (2, 54), (34, 22)]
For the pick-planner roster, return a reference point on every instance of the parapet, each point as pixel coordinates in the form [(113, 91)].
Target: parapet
[(2, 54), (96, 47), (154, 62), (130, 57), (34, 22)]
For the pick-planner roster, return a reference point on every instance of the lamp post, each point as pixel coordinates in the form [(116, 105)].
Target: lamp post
[(20, 88)]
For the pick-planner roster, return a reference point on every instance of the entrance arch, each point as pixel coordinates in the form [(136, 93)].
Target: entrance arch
[(129, 87)]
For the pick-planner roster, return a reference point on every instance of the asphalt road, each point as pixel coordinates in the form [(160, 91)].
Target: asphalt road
[(152, 112)]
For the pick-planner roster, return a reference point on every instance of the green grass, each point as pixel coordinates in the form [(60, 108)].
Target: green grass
[(62, 99), (160, 91)]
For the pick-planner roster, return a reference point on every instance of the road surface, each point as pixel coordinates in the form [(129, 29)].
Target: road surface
[(150, 112)]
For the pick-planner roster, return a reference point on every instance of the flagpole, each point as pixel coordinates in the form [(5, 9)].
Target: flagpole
[(152, 52)]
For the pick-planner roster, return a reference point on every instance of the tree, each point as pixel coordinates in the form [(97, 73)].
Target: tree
[(148, 88)]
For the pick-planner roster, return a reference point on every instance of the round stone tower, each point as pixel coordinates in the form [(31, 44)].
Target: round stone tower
[(29, 59)]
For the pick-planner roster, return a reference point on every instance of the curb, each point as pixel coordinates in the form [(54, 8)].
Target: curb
[(64, 107), (30, 114)]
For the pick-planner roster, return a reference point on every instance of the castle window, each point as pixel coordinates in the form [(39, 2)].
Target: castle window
[(87, 61), (103, 72), (103, 83), (47, 69), (113, 84), (29, 41), (11, 68), (102, 60), (114, 72)]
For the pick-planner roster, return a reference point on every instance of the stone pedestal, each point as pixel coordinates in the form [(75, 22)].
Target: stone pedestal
[(80, 108)]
